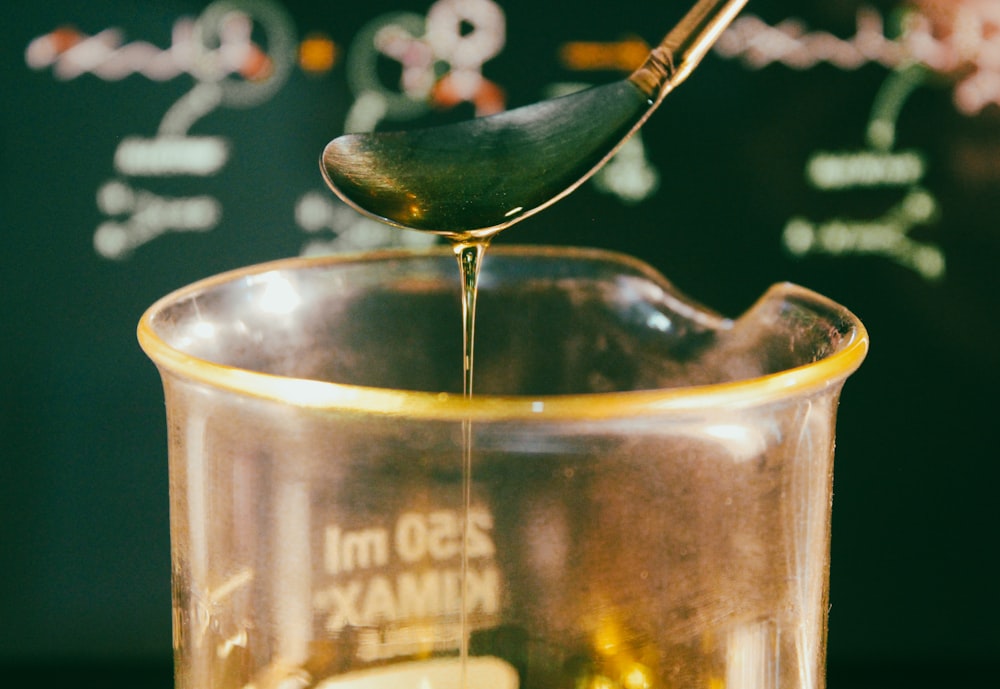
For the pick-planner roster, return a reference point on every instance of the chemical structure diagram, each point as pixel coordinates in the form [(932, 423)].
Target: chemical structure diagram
[(233, 73), (441, 54), (969, 48), (877, 165)]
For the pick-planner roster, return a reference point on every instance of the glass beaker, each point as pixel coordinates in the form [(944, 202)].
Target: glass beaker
[(648, 503)]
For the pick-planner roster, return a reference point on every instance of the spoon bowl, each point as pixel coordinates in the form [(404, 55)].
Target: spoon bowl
[(475, 178)]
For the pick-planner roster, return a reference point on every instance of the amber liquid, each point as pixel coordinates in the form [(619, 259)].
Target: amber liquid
[(469, 253)]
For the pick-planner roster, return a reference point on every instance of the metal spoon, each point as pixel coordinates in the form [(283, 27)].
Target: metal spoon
[(473, 179)]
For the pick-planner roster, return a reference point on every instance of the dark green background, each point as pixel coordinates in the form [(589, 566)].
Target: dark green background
[(84, 559)]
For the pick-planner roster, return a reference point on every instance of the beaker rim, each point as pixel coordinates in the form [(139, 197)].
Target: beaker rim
[(825, 373)]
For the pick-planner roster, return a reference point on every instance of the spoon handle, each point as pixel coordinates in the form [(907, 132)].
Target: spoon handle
[(682, 49)]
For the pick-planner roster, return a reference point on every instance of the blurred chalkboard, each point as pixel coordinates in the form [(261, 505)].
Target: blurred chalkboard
[(804, 149)]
